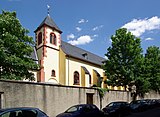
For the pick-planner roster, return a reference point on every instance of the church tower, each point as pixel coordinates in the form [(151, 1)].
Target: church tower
[(48, 41)]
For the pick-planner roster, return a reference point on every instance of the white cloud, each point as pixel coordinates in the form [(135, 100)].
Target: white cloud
[(81, 40), (70, 36), (97, 27), (82, 21), (140, 26), (149, 39), (95, 35), (78, 29)]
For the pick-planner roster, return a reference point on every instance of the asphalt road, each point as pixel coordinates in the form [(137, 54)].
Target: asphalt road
[(149, 113)]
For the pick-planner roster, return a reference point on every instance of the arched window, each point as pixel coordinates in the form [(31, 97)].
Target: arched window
[(53, 73), (76, 78), (90, 79), (53, 39), (39, 38)]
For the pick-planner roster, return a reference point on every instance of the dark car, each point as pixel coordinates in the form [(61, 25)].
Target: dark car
[(117, 109), (152, 103), (82, 110), (138, 105), (22, 112)]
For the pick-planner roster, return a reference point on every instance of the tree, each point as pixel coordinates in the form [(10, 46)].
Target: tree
[(101, 92), (142, 86), (152, 67), (124, 59), (15, 49)]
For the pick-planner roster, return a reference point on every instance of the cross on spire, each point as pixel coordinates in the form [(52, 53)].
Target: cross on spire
[(48, 8)]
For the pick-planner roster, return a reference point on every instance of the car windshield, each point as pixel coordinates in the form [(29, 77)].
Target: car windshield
[(137, 102), (74, 109), (114, 104)]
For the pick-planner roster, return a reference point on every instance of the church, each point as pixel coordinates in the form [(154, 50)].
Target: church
[(62, 63)]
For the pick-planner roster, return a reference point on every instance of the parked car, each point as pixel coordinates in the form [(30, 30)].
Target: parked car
[(22, 112), (152, 103), (138, 105), (117, 109), (82, 110)]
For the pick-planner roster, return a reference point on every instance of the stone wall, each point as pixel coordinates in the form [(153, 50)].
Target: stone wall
[(52, 99)]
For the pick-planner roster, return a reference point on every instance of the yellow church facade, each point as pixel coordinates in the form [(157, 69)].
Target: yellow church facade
[(64, 64)]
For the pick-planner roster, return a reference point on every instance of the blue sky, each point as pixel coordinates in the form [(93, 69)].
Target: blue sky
[(89, 24)]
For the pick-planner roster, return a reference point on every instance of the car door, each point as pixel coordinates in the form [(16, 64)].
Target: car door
[(10, 114), (95, 112), (91, 111)]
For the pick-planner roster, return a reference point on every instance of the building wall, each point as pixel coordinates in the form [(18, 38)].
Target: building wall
[(40, 54), (82, 77), (73, 65), (49, 54), (40, 61), (52, 99), (51, 62), (62, 67)]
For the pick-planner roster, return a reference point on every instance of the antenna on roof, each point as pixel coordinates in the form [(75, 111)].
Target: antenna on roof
[(48, 8)]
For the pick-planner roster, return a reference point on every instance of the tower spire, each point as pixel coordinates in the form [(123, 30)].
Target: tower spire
[(48, 8)]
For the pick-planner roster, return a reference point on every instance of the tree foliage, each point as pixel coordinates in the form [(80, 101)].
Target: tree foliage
[(15, 49), (152, 67), (125, 63), (124, 57)]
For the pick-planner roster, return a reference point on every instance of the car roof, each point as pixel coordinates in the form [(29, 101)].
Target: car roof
[(119, 102), (83, 104), (18, 108)]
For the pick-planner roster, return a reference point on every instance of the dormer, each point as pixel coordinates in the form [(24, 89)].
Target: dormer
[(85, 55)]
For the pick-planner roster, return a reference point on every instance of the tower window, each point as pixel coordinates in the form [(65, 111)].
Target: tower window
[(53, 39), (39, 38), (76, 78), (53, 73)]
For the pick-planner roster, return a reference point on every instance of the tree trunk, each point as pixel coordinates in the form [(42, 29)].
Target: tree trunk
[(100, 102)]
